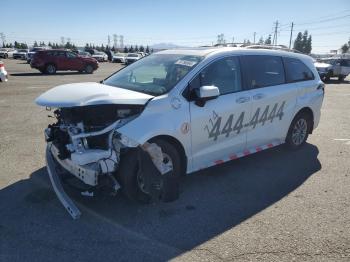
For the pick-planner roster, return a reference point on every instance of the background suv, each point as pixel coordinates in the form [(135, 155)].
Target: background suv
[(50, 61), (333, 67)]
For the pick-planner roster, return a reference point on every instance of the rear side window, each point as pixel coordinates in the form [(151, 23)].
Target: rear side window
[(262, 70), (296, 70)]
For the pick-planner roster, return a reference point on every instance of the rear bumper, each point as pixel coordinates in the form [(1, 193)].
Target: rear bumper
[(3, 76)]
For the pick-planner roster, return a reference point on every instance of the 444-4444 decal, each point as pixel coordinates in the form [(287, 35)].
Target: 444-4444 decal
[(235, 125)]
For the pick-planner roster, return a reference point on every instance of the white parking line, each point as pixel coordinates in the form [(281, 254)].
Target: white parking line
[(36, 87), (346, 140)]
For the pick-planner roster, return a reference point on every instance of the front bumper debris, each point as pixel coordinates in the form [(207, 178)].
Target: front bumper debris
[(57, 185)]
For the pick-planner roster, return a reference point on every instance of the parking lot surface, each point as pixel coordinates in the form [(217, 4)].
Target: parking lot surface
[(277, 205)]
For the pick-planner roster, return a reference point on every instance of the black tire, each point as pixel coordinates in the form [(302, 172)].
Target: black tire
[(341, 78), (129, 170), (50, 69), (89, 69), (297, 133)]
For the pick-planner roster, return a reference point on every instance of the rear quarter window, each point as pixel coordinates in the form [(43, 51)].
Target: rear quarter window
[(296, 70), (262, 70)]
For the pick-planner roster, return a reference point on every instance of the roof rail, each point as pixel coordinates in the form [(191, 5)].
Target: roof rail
[(273, 47)]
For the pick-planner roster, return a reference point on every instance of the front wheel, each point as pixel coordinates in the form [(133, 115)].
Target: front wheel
[(134, 178), (298, 131), (89, 69)]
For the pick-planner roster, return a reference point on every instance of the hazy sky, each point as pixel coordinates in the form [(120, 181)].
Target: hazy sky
[(187, 23)]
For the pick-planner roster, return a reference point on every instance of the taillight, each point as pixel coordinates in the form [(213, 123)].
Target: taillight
[(2, 65)]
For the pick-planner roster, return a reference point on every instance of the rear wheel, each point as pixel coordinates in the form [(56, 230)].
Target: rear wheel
[(341, 78), (299, 131), (89, 69), (50, 69)]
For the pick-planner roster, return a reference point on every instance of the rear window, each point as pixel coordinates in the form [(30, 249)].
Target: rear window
[(296, 70), (262, 70)]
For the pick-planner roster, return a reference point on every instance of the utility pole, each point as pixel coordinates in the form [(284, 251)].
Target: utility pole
[(3, 38), (291, 35), (121, 41), (115, 41), (109, 41), (254, 36), (274, 42)]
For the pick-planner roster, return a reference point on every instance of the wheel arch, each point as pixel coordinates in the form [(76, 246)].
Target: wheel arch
[(179, 147)]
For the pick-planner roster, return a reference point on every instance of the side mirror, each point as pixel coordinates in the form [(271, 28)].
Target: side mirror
[(205, 93)]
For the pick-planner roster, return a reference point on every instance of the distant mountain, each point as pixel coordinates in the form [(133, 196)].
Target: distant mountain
[(165, 46)]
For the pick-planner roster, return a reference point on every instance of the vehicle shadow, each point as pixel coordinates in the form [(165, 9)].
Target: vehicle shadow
[(336, 81), (212, 201), (41, 74)]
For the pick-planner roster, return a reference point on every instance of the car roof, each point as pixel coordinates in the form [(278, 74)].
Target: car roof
[(217, 51)]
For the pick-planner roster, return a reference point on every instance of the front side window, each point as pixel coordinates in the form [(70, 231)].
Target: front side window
[(156, 74), (71, 55), (225, 74), (262, 70), (296, 70)]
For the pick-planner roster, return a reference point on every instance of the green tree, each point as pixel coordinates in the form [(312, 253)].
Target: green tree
[(131, 49), (35, 44), (147, 49), (261, 41), (344, 48), (126, 49), (298, 43), (136, 48), (308, 45), (142, 49), (268, 40), (16, 44)]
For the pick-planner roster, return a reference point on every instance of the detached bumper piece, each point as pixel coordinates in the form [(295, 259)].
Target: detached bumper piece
[(57, 185)]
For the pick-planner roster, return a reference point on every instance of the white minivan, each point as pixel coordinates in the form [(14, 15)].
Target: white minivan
[(176, 112)]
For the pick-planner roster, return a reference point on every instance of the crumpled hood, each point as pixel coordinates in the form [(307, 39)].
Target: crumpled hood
[(321, 65), (90, 93)]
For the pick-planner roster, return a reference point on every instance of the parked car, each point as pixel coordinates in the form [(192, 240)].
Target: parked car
[(21, 54), (132, 57), (100, 56), (175, 112), (7, 52), (50, 61), (33, 51), (83, 53), (119, 58), (3, 73), (333, 67)]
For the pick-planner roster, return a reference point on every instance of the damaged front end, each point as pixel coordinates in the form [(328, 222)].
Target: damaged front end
[(85, 142)]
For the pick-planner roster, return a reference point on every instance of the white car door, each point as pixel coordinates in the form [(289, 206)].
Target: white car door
[(276, 84), (218, 132), (273, 100)]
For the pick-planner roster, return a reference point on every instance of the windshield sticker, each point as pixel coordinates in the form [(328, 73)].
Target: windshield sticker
[(235, 124), (185, 63)]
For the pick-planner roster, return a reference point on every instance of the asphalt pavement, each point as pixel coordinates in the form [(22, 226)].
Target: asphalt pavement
[(277, 205)]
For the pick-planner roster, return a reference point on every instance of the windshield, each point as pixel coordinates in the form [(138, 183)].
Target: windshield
[(156, 74), (22, 50), (133, 55)]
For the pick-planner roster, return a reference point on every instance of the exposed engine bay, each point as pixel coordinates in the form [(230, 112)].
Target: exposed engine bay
[(85, 142)]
